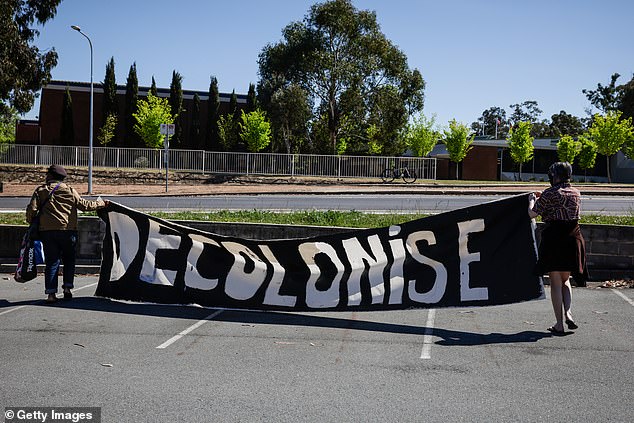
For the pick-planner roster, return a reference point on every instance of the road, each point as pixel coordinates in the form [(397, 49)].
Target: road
[(380, 203), (494, 364)]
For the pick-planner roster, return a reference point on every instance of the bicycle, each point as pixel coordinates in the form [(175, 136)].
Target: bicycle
[(389, 174)]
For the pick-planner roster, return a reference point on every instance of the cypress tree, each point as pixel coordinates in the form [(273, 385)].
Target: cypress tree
[(252, 103), (213, 114), (233, 112), (67, 130), (153, 89), (233, 103), (110, 106), (195, 140), (131, 98), (176, 103)]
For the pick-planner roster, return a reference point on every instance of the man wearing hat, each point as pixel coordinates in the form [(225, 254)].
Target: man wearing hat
[(58, 227)]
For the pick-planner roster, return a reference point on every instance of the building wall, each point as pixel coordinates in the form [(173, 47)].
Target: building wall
[(481, 164), (52, 102)]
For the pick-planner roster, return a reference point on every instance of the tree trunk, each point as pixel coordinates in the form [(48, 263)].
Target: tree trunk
[(607, 160), (520, 172), (457, 174)]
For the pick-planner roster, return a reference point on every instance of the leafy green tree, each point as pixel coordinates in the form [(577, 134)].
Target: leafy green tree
[(23, 68), (289, 110), (227, 132), (106, 133), (389, 114), (567, 149), (626, 104), (151, 113), (176, 103), (374, 146), (422, 135), (195, 140), (521, 144), (563, 123), (337, 49), (67, 128), (153, 89), (587, 154), (252, 102), (492, 118), (233, 103), (458, 142), (213, 115), (605, 98), (8, 122), (110, 105), (610, 134), (131, 99), (255, 130), (527, 111)]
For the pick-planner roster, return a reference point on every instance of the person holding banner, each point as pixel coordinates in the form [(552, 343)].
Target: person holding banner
[(58, 227), (562, 248)]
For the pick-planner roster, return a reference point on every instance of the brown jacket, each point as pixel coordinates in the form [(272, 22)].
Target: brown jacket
[(60, 212)]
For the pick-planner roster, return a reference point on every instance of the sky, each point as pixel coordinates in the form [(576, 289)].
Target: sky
[(472, 54)]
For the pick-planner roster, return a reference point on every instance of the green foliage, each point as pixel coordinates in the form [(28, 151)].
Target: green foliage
[(23, 68), (7, 126), (422, 135), (153, 89), (587, 152), (567, 149), (255, 130), (610, 134), (110, 105), (106, 133), (213, 115), (374, 147), (131, 99), (492, 118), (527, 111), (521, 143), (176, 104), (605, 98), (227, 132), (563, 123), (457, 140), (195, 139), (151, 113), (336, 52), (290, 111), (252, 102), (67, 128)]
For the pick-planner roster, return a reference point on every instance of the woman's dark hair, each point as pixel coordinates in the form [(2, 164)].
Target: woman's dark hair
[(561, 170)]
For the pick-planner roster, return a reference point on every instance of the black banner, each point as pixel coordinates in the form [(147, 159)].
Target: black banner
[(481, 255)]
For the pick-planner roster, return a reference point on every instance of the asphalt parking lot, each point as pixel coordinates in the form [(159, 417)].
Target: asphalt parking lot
[(157, 363)]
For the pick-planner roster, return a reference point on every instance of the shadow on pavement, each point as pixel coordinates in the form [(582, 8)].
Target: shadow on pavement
[(449, 337)]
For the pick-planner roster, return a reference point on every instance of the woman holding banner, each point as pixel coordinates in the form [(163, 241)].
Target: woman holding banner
[(562, 248)]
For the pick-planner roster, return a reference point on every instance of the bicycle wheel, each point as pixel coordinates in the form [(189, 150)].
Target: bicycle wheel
[(409, 176), (387, 175)]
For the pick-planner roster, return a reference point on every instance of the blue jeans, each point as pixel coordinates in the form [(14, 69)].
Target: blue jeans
[(58, 246)]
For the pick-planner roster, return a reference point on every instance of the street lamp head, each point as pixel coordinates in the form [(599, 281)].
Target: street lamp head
[(76, 28)]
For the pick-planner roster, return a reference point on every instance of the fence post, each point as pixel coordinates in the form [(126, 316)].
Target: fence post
[(338, 167), (293, 158), (35, 155), (203, 153), (118, 150), (76, 154), (248, 157)]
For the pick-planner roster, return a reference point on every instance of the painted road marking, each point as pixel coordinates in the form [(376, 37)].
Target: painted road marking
[(37, 301), (188, 330), (427, 339), (625, 297)]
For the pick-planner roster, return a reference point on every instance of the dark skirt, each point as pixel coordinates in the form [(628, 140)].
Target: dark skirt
[(563, 249)]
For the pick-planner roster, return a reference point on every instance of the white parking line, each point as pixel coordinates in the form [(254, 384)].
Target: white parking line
[(427, 339), (625, 297), (189, 329), (35, 302)]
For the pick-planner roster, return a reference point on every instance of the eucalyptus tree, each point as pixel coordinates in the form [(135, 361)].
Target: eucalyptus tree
[(338, 49)]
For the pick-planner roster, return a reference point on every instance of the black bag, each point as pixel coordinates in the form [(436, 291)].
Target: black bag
[(27, 268)]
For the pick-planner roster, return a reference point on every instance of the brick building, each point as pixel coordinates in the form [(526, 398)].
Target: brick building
[(46, 131)]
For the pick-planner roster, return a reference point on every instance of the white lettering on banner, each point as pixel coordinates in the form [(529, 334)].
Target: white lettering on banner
[(360, 260), (150, 273), (240, 284), (125, 228), (466, 292), (397, 281), (193, 278), (436, 293), (316, 298), (272, 296)]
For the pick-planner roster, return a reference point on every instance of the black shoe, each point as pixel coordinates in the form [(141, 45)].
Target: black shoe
[(555, 331), (68, 295), (571, 325)]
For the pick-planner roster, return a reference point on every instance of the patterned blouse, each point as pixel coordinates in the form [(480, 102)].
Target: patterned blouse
[(559, 202)]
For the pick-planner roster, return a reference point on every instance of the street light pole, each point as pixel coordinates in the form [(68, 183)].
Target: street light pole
[(78, 29)]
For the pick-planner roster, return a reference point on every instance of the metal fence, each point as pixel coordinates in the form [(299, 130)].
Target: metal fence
[(270, 164)]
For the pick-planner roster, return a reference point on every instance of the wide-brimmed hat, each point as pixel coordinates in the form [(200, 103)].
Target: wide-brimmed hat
[(57, 170)]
